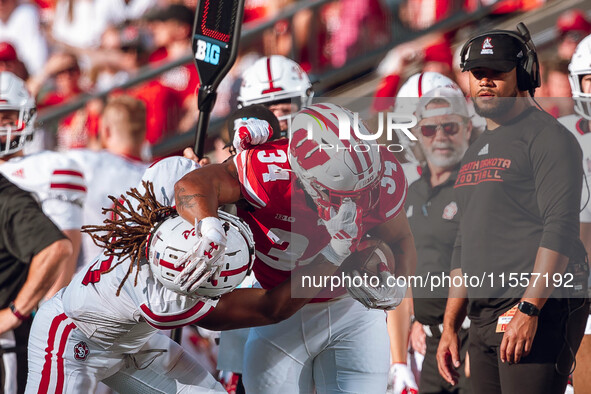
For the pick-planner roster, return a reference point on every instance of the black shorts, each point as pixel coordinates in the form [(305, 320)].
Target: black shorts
[(546, 369)]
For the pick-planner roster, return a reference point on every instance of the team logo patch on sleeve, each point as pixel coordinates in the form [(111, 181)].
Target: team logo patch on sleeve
[(81, 351), (450, 211)]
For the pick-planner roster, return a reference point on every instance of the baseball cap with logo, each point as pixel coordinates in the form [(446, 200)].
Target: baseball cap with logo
[(498, 52)]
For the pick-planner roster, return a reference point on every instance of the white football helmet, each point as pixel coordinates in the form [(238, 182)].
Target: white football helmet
[(331, 168), (407, 100), (580, 65), (14, 96), (174, 237), (272, 79)]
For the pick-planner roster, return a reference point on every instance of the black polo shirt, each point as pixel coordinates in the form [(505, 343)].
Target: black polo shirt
[(432, 215), (24, 232), (518, 189)]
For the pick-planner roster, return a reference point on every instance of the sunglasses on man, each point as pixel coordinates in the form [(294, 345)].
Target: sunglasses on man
[(449, 128)]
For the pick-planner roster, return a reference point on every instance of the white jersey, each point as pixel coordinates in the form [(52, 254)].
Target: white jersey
[(105, 174), (573, 123), (164, 174), (129, 320), (56, 181), (125, 323)]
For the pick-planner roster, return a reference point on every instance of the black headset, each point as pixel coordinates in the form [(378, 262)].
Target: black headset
[(528, 68)]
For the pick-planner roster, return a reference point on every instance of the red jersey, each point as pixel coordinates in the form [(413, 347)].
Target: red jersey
[(161, 102), (285, 223)]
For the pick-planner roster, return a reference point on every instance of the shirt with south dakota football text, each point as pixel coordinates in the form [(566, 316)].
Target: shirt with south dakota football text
[(518, 189)]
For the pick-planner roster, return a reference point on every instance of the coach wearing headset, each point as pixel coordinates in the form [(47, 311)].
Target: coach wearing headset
[(518, 193)]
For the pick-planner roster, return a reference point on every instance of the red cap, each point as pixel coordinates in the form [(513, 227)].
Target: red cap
[(439, 52), (7, 52), (573, 20)]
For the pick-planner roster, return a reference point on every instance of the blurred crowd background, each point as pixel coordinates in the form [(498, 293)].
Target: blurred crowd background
[(75, 54)]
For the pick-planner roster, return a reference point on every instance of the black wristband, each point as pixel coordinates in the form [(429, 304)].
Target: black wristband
[(528, 308)]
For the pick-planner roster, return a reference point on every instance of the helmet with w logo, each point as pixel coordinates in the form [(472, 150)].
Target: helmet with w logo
[(331, 161)]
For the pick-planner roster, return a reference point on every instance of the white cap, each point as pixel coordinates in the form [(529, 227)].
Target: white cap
[(454, 97)]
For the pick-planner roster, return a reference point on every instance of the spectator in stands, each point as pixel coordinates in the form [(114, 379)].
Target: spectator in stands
[(436, 57), (75, 24), (82, 23), (115, 168), (9, 61), (422, 14), (75, 130), (572, 25), (171, 29), (120, 55), (363, 26), (116, 12), (19, 24)]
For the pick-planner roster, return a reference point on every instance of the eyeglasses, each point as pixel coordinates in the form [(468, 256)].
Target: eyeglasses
[(450, 128)]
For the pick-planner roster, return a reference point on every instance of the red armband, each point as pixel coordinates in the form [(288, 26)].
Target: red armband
[(15, 312)]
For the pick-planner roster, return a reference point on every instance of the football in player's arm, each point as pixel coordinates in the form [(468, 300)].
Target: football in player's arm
[(199, 194)]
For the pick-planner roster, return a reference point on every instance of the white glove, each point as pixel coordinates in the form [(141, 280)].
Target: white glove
[(401, 380), (249, 132), (387, 296), (205, 259), (344, 228)]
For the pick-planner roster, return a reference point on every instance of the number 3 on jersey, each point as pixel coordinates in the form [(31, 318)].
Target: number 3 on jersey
[(275, 173), (387, 181)]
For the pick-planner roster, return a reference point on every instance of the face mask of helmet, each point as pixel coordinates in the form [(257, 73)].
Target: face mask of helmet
[(175, 236), (17, 114), (580, 66)]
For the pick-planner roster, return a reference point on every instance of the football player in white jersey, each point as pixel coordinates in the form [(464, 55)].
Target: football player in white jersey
[(55, 180), (580, 125), (104, 325), (115, 168)]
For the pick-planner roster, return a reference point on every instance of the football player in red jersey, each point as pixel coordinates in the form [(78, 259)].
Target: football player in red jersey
[(294, 195)]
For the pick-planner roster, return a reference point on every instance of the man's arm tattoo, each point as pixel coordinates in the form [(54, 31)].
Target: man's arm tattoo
[(186, 201)]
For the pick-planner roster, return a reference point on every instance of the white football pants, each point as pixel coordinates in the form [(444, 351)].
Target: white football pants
[(63, 360), (330, 347)]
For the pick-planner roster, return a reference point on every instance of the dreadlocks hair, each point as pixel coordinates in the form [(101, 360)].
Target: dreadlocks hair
[(126, 234)]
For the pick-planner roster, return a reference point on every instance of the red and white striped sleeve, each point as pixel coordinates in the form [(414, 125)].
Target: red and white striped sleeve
[(68, 182), (164, 309), (66, 194), (172, 319)]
